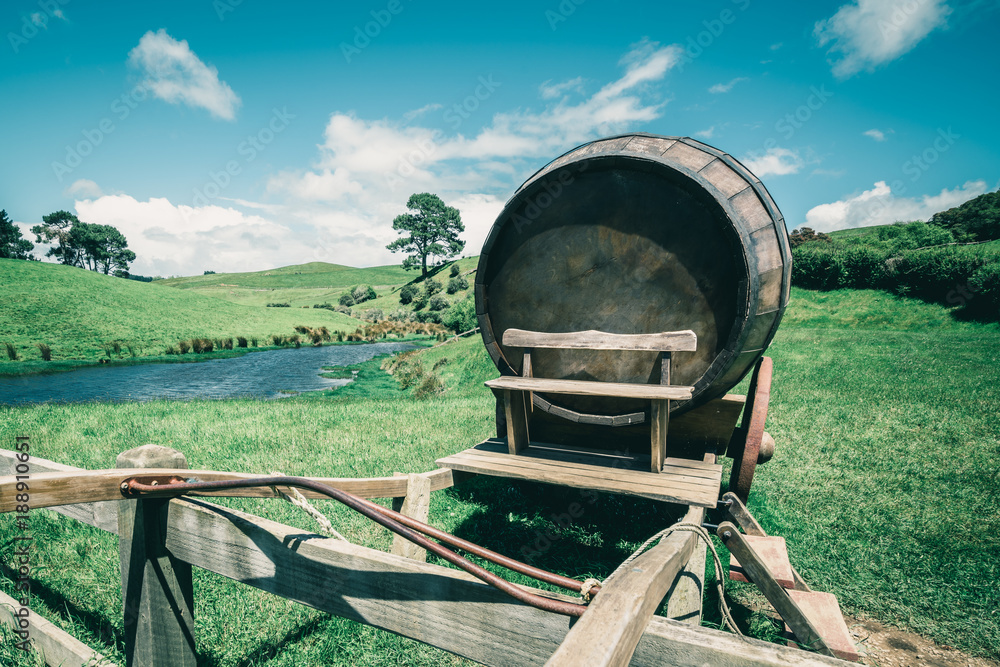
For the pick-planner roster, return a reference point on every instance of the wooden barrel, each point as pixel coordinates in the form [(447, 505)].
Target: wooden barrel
[(635, 234)]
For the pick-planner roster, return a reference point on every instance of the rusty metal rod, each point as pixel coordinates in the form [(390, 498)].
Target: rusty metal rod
[(483, 552), (133, 488)]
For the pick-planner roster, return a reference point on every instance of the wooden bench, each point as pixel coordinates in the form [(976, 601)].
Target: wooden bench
[(518, 390)]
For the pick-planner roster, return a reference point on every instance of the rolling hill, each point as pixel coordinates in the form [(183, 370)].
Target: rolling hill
[(75, 311)]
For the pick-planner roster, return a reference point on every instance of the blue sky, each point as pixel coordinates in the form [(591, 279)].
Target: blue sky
[(241, 135)]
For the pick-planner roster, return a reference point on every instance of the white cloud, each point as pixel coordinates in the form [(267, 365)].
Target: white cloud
[(879, 206), (877, 135), (551, 91), (726, 87), (340, 209), (777, 45), (84, 187), (705, 134), (176, 75), (416, 113), (869, 33), (183, 240), (367, 168), (776, 161)]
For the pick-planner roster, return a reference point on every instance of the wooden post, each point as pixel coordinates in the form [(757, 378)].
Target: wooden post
[(157, 590), (416, 505)]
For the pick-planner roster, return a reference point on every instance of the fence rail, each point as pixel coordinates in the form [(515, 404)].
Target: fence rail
[(442, 607)]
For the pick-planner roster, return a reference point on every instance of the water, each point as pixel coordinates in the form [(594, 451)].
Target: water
[(258, 374)]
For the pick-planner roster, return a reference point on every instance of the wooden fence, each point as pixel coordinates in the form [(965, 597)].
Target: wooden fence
[(161, 540)]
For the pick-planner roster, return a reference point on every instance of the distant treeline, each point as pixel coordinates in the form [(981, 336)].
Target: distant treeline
[(948, 260)]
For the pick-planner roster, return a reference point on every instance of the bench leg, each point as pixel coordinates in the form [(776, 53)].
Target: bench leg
[(517, 420), (658, 434)]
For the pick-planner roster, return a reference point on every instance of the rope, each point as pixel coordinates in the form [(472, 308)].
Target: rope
[(727, 617), (585, 588), (296, 498)]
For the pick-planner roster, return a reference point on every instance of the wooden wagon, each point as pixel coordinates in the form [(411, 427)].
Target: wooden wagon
[(623, 291)]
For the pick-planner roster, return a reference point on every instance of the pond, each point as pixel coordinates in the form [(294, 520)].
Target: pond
[(269, 374)]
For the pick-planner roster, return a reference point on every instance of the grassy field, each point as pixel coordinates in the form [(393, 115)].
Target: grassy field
[(885, 484), (306, 285), (75, 311)]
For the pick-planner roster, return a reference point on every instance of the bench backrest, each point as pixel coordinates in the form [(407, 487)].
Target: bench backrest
[(667, 341)]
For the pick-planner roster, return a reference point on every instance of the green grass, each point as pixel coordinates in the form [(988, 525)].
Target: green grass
[(76, 311), (885, 484), (306, 285)]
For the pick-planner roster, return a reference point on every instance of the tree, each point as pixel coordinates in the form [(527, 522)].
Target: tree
[(12, 246), (55, 231), (433, 231), (976, 220), (100, 248)]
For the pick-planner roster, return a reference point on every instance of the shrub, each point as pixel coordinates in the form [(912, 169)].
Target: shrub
[(253, 342), (46, 351), (346, 300), (170, 350), (985, 285), (363, 293), (316, 338), (439, 363), (241, 341), (11, 352), (429, 386), (406, 293), (277, 339), (131, 350), (462, 316), (196, 346), (296, 339), (208, 273), (340, 336), (454, 270), (805, 235), (457, 284), (303, 329), (431, 287), (328, 306), (183, 346), (207, 345), (279, 305), (374, 315), (438, 302), (429, 316), (117, 348), (408, 372), (419, 301)]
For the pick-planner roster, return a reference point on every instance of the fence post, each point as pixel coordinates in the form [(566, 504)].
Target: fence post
[(157, 590), (416, 505)]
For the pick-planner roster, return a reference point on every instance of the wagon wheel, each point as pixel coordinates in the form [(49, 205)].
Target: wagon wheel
[(750, 444)]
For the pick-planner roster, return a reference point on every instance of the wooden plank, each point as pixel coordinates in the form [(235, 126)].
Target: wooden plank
[(709, 425), (416, 505), (51, 489), (103, 515), (645, 485), (545, 469), (517, 421), (609, 631), (758, 572), (685, 598), (578, 455), (678, 341), (668, 477), (56, 646), (429, 603), (157, 588), (589, 388), (658, 434), (739, 513)]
